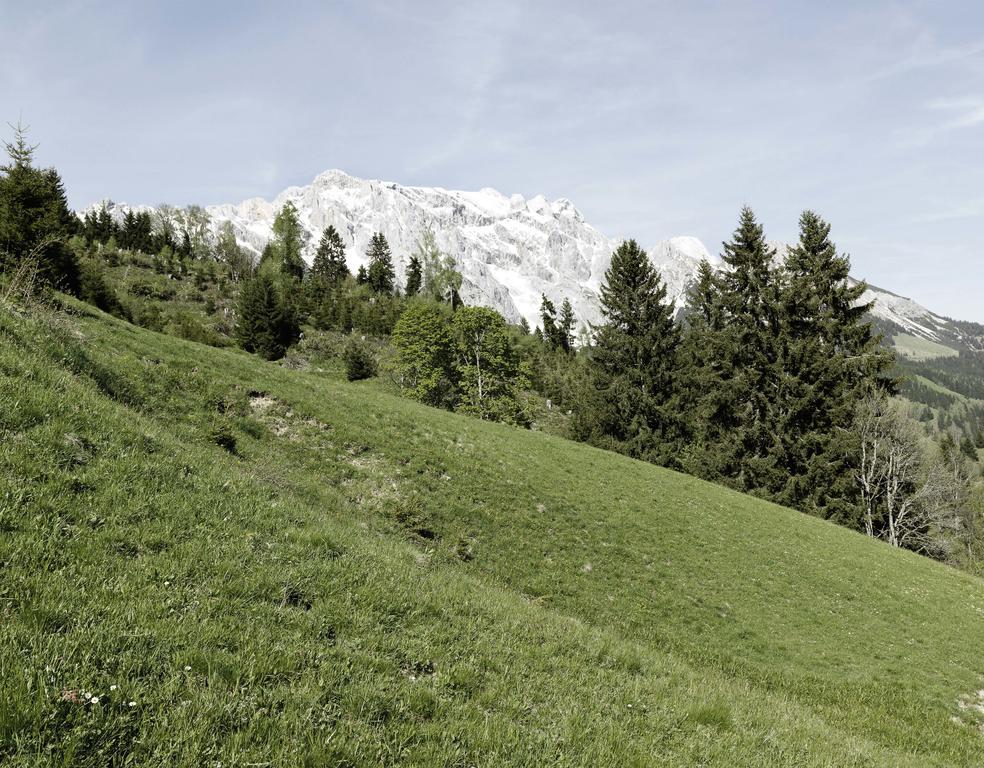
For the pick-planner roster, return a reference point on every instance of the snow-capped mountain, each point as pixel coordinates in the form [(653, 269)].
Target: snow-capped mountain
[(509, 250)]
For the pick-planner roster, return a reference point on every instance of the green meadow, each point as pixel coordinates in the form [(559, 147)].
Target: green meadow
[(207, 559)]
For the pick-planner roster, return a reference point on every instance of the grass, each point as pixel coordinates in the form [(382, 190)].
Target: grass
[(915, 348), (251, 565)]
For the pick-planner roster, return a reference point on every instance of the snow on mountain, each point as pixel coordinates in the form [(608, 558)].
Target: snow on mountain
[(509, 250)]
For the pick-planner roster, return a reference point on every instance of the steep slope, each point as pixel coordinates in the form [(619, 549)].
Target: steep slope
[(277, 567)]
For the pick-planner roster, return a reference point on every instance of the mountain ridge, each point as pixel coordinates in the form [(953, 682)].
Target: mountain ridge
[(511, 249)]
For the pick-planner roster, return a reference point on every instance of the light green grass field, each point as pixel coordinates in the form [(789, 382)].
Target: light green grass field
[(249, 565), (920, 349)]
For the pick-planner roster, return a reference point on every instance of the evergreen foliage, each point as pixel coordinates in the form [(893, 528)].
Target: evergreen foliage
[(635, 358), (267, 324), (360, 362), (565, 325), (329, 266), (548, 320), (414, 276), (380, 275), (35, 221), (830, 361)]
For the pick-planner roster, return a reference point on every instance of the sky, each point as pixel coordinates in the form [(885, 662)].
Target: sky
[(655, 118)]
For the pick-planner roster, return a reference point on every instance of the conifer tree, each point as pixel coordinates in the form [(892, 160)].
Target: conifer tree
[(830, 361), (750, 351), (380, 275), (329, 260), (709, 408), (35, 220), (565, 327), (548, 319), (635, 357), (362, 276), (267, 324), (414, 276)]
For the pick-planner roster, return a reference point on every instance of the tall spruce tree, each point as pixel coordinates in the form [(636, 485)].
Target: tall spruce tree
[(380, 275), (635, 358), (830, 362), (267, 324), (565, 325), (415, 276), (750, 352), (329, 261), (35, 220), (706, 385), (548, 319)]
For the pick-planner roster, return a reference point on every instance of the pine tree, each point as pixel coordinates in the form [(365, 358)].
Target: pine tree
[(267, 325), (548, 319), (414, 276), (362, 276), (288, 240), (381, 275), (35, 220), (709, 405), (329, 260), (750, 352), (565, 327), (635, 358), (830, 361)]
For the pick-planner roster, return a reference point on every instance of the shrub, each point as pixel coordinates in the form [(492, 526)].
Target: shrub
[(360, 361)]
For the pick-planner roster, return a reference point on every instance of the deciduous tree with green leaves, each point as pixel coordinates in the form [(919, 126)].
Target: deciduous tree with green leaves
[(288, 239), (425, 357)]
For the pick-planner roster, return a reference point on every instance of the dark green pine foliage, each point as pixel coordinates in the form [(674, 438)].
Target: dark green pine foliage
[(707, 383), (548, 319), (414, 276), (362, 276), (267, 325), (35, 220), (830, 361), (380, 275), (329, 261), (634, 357), (565, 326), (750, 302)]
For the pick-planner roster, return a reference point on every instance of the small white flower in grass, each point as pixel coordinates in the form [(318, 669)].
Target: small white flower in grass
[(112, 687), (187, 668), (94, 699), (132, 704)]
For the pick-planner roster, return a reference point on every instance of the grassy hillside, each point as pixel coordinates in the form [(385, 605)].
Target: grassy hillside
[(250, 565)]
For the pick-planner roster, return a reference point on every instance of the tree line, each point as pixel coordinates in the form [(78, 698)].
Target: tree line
[(770, 380)]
